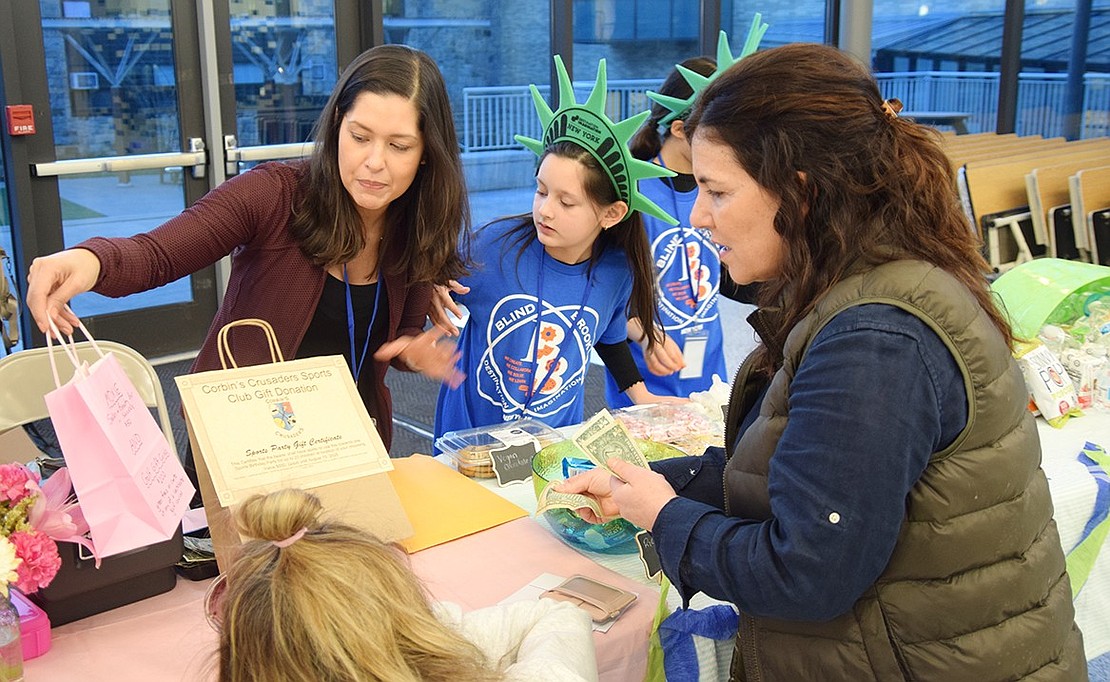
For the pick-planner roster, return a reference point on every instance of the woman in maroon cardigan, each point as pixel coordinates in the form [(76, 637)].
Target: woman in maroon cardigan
[(338, 253)]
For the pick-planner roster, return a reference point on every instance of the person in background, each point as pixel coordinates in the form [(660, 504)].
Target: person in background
[(556, 283), (878, 511), (312, 600), (687, 268), (339, 254)]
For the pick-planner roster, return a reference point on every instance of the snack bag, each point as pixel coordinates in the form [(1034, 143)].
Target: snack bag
[(1083, 367), (1048, 381)]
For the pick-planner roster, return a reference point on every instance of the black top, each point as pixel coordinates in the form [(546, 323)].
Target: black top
[(327, 333), (618, 360)]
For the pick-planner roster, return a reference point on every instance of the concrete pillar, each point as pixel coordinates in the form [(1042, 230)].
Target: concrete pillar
[(855, 29)]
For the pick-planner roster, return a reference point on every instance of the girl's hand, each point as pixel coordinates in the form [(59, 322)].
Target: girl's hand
[(53, 280), (593, 484), (639, 394), (641, 495), (425, 354), (442, 302), (665, 357)]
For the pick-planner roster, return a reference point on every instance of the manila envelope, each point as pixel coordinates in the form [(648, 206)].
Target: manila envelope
[(444, 505), (296, 424)]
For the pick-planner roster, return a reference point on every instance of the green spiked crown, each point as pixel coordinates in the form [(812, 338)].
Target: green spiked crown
[(587, 126), (698, 82)]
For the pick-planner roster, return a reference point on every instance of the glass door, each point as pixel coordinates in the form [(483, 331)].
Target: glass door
[(9, 322), (127, 152), (142, 106), (283, 58)]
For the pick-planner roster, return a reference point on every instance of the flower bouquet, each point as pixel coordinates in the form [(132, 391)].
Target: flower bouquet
[(34, 517)]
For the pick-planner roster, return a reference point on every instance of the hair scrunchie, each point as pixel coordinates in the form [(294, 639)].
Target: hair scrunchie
[(282, 544)]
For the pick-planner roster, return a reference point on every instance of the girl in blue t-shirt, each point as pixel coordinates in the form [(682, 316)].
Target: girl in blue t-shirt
[(549, 287), (687, 265)]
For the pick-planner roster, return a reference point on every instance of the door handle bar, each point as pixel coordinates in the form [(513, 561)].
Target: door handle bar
[(271, 152), (113, 164)]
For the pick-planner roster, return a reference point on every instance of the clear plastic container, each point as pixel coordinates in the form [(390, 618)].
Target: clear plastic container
[(469, 448), (683, 425)]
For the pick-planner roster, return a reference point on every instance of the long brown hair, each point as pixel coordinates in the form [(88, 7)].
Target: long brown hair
[(807, 123), (628, 234), (428, 226), (647, 142), (335, 605)]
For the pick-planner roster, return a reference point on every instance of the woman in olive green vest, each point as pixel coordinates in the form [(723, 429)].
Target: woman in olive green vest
[(878, 511)]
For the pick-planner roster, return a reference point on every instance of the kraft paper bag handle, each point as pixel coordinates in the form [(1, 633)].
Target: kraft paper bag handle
[(70, 349), (225, 348)]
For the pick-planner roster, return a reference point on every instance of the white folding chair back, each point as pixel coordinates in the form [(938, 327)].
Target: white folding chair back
[(25, 377)]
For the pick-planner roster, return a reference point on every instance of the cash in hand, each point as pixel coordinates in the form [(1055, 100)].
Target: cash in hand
[(605, 436), (549, 498)]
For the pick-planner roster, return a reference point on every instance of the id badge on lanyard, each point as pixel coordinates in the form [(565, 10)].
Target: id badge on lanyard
[(693, 343), (693, 353)]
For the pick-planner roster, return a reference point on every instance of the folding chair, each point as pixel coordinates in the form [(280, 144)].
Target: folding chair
[(25, 377)]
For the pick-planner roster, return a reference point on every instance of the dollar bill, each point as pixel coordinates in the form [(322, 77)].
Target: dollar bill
[(604, 436), (549, 498)]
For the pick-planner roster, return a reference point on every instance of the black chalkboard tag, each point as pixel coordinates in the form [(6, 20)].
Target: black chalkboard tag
[(652, 566), (512, 463)]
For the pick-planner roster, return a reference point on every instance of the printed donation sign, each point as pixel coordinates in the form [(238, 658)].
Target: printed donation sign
[(300, 423)]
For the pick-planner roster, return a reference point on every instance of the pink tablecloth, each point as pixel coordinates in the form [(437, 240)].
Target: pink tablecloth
[(163, 638), (485, 568), (166, 638)]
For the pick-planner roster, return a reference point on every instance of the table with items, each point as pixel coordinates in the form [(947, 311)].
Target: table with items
[(1078, 470), (167, 638)]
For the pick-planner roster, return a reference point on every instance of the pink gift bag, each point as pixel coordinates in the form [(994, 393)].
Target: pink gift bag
[(132, 488)]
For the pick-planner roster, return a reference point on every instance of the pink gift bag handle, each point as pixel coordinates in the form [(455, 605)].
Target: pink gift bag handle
[(225, 348), (69, 347)]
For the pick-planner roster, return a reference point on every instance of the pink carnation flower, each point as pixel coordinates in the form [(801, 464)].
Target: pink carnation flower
[(40, 560), (13, 482)]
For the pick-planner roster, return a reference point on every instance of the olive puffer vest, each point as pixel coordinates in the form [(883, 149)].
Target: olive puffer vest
[(976, 588)]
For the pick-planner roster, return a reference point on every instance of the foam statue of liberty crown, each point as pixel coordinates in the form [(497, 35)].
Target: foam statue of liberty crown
[(587, 126), (698, 82)]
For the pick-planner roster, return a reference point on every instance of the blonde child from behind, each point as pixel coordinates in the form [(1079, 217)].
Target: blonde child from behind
[(310, 599)]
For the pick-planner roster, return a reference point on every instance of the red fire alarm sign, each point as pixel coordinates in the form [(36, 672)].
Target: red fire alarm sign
[(21, 119)]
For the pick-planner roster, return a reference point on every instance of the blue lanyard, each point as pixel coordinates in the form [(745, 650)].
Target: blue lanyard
[(356, 367), (686, 230), (539, 314)]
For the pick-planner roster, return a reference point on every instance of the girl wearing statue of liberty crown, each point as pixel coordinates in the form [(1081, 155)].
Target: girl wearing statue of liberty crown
[(556, 283), (690, 349)]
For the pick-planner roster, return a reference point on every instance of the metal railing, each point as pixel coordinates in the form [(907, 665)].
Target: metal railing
[(1040, 104), (492, 115)]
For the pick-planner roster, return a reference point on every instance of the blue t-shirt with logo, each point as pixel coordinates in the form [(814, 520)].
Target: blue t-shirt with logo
[(691, 320), (529, 324)]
